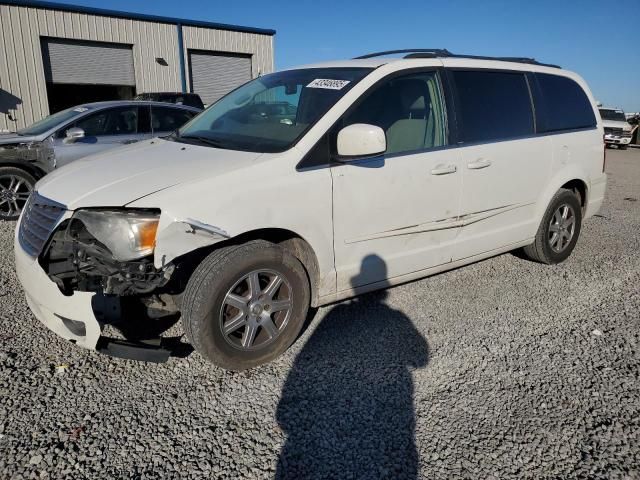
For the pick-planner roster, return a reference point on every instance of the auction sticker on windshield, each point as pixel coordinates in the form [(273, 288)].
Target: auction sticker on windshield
[(327, 83)]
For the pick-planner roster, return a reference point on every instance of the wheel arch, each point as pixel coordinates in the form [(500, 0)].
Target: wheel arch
[(30, 168), (573, 178), (579, 187), (288, 239), (293, 242)]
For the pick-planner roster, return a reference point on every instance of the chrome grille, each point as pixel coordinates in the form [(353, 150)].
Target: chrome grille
[(617, 132), (39, 219)]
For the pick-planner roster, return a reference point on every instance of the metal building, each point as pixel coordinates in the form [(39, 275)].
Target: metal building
[(53, 56)]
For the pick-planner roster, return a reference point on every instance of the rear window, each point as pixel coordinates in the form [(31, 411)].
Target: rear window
[(493, 105), (565, 105)]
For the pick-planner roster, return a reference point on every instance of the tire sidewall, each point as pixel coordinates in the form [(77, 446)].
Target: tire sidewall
[(206, 328), (564, 197)]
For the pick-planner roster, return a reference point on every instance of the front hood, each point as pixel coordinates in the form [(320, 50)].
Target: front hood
[(120, 176), (616, 124), (12, 138)]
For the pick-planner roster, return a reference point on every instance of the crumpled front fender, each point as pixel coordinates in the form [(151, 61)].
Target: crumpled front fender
[(177, 236)]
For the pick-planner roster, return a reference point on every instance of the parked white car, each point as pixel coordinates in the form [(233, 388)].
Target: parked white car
[(617, 130), (309, 186)]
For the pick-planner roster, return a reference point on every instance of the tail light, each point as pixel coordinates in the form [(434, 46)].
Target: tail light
[(604, 154)]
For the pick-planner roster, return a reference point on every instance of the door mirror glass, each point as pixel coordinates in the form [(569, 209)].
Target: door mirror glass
[(361, 140), (73, 135)]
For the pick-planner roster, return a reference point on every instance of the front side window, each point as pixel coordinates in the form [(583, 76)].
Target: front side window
[(565, 104), (270, 113), (114, 121), (492, 105), (409, 109)]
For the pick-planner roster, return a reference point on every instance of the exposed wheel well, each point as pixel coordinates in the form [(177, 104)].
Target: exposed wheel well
[(580, 189)]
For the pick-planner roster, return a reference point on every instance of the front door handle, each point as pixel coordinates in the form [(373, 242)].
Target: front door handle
[(443, 169), (479, 163)]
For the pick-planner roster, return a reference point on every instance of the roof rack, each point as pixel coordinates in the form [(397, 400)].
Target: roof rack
[(444, 53), (427, 52)]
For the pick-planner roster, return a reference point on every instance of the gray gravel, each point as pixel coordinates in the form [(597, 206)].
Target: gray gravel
[(502, 369)]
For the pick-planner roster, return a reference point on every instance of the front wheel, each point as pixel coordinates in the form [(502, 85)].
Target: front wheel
[(245, 304), (15, 187), (558, 233)]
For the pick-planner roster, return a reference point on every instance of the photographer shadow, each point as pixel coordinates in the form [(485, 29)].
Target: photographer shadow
[(347, 404)]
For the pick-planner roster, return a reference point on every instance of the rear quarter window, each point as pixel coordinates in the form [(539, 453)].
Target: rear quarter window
[(564, 104)]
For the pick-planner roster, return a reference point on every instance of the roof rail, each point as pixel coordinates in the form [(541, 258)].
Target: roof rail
[(444, 53), (433, 52)]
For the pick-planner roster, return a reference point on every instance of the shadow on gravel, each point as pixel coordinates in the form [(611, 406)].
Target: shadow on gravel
[(136, 327), (347, 404)]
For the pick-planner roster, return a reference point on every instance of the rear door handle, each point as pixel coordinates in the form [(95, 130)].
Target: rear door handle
[(479, 163), (443, 169)]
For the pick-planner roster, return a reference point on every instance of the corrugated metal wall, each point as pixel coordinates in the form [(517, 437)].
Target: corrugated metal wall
[(260, 47), (22, 79), (214, 75)]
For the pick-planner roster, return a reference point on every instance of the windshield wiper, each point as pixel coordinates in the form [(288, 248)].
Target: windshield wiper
[(202, 139)]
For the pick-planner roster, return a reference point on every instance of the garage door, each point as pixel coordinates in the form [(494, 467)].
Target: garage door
[(91, 63), (213, 75)]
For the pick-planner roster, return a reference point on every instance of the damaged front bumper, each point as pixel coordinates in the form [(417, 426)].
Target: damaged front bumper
[(71, 317), (75, 286)]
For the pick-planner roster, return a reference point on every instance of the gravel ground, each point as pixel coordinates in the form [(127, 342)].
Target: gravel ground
[(502, 369)]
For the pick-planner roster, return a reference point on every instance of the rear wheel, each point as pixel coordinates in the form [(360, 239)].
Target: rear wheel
[(246, 304), (558, 233), (15, 187)]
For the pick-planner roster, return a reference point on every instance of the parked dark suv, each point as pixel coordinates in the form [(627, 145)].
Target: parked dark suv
[(188, 99)]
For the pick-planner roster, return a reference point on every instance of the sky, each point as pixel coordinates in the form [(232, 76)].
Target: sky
[(597, 39)]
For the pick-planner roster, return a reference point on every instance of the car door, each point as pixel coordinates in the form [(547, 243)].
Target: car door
[(165, 120), (504, 164), (103, 130), (396, 214)]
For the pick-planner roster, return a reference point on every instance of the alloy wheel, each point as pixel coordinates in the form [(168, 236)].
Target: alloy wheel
[(256, 309), (14, 193), (562, 228)]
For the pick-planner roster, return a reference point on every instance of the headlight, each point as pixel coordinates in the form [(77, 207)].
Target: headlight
[(128, 234)]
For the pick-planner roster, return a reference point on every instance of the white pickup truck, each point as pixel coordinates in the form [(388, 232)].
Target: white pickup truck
[(617, 130)]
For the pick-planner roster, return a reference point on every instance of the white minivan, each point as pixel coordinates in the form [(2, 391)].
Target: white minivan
[(309, 186)]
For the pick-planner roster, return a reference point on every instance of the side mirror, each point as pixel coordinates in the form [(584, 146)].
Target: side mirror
[(360, 140), (73, 135)]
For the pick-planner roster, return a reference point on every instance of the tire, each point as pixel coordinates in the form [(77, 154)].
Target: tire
[(223, 282), (15, 187), (622, 147), (544, 249)]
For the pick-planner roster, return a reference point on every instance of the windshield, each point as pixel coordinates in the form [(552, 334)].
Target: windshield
[(616, 115), (52, 121), (270, 113)]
